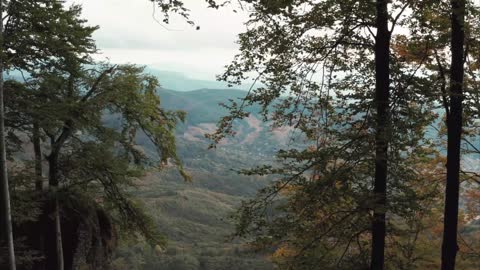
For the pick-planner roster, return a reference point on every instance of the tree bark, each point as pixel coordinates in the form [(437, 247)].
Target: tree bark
[(58, 237), (53, 185), (5, 193), (454, 132), (382, 78), (38, 156), (37, 149)]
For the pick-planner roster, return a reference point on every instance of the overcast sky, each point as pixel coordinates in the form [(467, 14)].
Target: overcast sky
[(129, 34)]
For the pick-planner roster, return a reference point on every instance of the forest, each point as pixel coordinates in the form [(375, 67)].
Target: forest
[(347, 137)]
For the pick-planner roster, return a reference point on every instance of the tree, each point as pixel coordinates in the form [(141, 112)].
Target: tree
[(90, 157), (53, 45), (33, 37), (285, 46), (26, 47), (463, 90), (6, 212), (454, 133), (382, 95)]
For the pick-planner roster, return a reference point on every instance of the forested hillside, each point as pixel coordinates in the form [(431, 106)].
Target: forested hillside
[(196, 216)]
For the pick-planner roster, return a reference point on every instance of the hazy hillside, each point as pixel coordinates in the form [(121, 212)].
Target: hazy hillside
[(194, 216), (203, 112), (202, 106)]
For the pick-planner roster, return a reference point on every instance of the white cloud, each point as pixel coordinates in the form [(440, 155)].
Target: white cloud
[(129, 33), (201, 63)]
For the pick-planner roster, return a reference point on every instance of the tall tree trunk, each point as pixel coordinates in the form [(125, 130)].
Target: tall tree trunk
[(382, 77), (58, 237), (38, 156), (37, 149), (6, 211), (454, 132), (53, 185)]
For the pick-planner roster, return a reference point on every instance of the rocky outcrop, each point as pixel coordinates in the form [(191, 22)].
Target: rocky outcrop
[(88, 237)]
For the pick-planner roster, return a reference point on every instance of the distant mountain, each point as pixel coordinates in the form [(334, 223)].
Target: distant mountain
[(168, 79), (180, 82), (203, 113), (202, 106)]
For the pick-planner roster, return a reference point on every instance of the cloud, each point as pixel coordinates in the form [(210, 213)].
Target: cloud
[(201, 63), (129, 33)]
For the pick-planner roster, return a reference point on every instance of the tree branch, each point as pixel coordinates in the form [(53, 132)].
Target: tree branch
[(395, 20), (97, 82), (444, 83)]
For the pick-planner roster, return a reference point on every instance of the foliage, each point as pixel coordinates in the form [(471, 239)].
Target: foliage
[(96, 158), (64, 100), (103, 126), (38, 34), (316, 60)]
